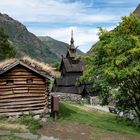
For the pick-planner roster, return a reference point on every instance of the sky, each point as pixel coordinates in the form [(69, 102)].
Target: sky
[(56, 18)]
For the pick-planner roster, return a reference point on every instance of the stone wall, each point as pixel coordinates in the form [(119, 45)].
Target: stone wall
[(68, 96), (94, 100)]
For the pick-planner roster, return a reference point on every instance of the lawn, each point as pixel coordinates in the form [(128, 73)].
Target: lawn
[(97, 119)]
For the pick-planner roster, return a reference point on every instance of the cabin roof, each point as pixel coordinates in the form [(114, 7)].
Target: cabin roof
[(11, 63)]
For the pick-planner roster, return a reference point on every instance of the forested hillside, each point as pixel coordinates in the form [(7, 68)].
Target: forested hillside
[(6, 49)]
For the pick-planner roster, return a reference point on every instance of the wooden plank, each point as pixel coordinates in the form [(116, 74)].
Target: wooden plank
[(19, 70), (5, 89), (6, 93), (21, 95), (22, 99), (19, 73), (22, 79), (3, 83), (29, 88), (20, 86), (20, 76), (22, 103), (36, 111), (22, 92), (36, 91), (20, 109), (22, 106), (23, 83)]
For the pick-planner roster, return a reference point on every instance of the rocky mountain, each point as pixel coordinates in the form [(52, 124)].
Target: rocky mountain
[(137, 10), (27, 43), (57, 47)]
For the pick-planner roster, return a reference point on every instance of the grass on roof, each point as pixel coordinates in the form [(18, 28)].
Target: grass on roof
[(29, 61)]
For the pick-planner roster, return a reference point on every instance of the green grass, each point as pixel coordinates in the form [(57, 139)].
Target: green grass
[(97, 119)]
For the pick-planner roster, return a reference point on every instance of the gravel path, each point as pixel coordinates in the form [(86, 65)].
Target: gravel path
[(99, 107)]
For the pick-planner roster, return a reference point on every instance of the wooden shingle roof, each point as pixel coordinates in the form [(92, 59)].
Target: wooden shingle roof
[(73, 65), (67, 81), (74, 90)]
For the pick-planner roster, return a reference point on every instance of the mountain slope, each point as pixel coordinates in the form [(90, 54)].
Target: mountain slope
[(25, 42), (57, 47), (45, 49), (137, 11)]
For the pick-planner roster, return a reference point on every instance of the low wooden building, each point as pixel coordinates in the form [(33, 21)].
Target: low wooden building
[(24, 87), (71, 69)]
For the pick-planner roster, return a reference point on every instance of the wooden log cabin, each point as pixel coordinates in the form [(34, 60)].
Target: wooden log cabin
[(24, 87)]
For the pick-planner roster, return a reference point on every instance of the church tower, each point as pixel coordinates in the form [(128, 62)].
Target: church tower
[(71, 69)]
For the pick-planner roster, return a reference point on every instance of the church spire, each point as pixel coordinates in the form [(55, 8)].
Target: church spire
[(71, 53), (72, 40)]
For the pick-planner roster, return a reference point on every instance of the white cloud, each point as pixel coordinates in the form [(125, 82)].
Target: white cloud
[(84, 37), (120, 1), (52, 11), (59, 13)]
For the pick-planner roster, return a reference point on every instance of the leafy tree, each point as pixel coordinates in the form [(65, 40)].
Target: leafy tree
[(6, 50), (114, 65)]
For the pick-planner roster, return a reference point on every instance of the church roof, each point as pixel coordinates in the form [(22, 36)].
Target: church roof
[(67, 81), (71, 89), (71, 53), (72, 65)]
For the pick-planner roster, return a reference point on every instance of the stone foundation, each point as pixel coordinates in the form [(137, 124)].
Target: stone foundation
[(68, 96)]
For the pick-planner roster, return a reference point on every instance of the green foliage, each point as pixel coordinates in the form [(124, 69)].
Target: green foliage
[(6, 50), (115, 64)]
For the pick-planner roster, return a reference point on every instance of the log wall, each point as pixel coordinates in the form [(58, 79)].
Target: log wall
[(21, 96)]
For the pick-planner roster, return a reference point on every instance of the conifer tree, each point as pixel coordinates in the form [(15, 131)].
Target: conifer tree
[(6, 50)]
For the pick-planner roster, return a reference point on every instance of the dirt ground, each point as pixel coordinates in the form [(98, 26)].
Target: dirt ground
[(65, 130)]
